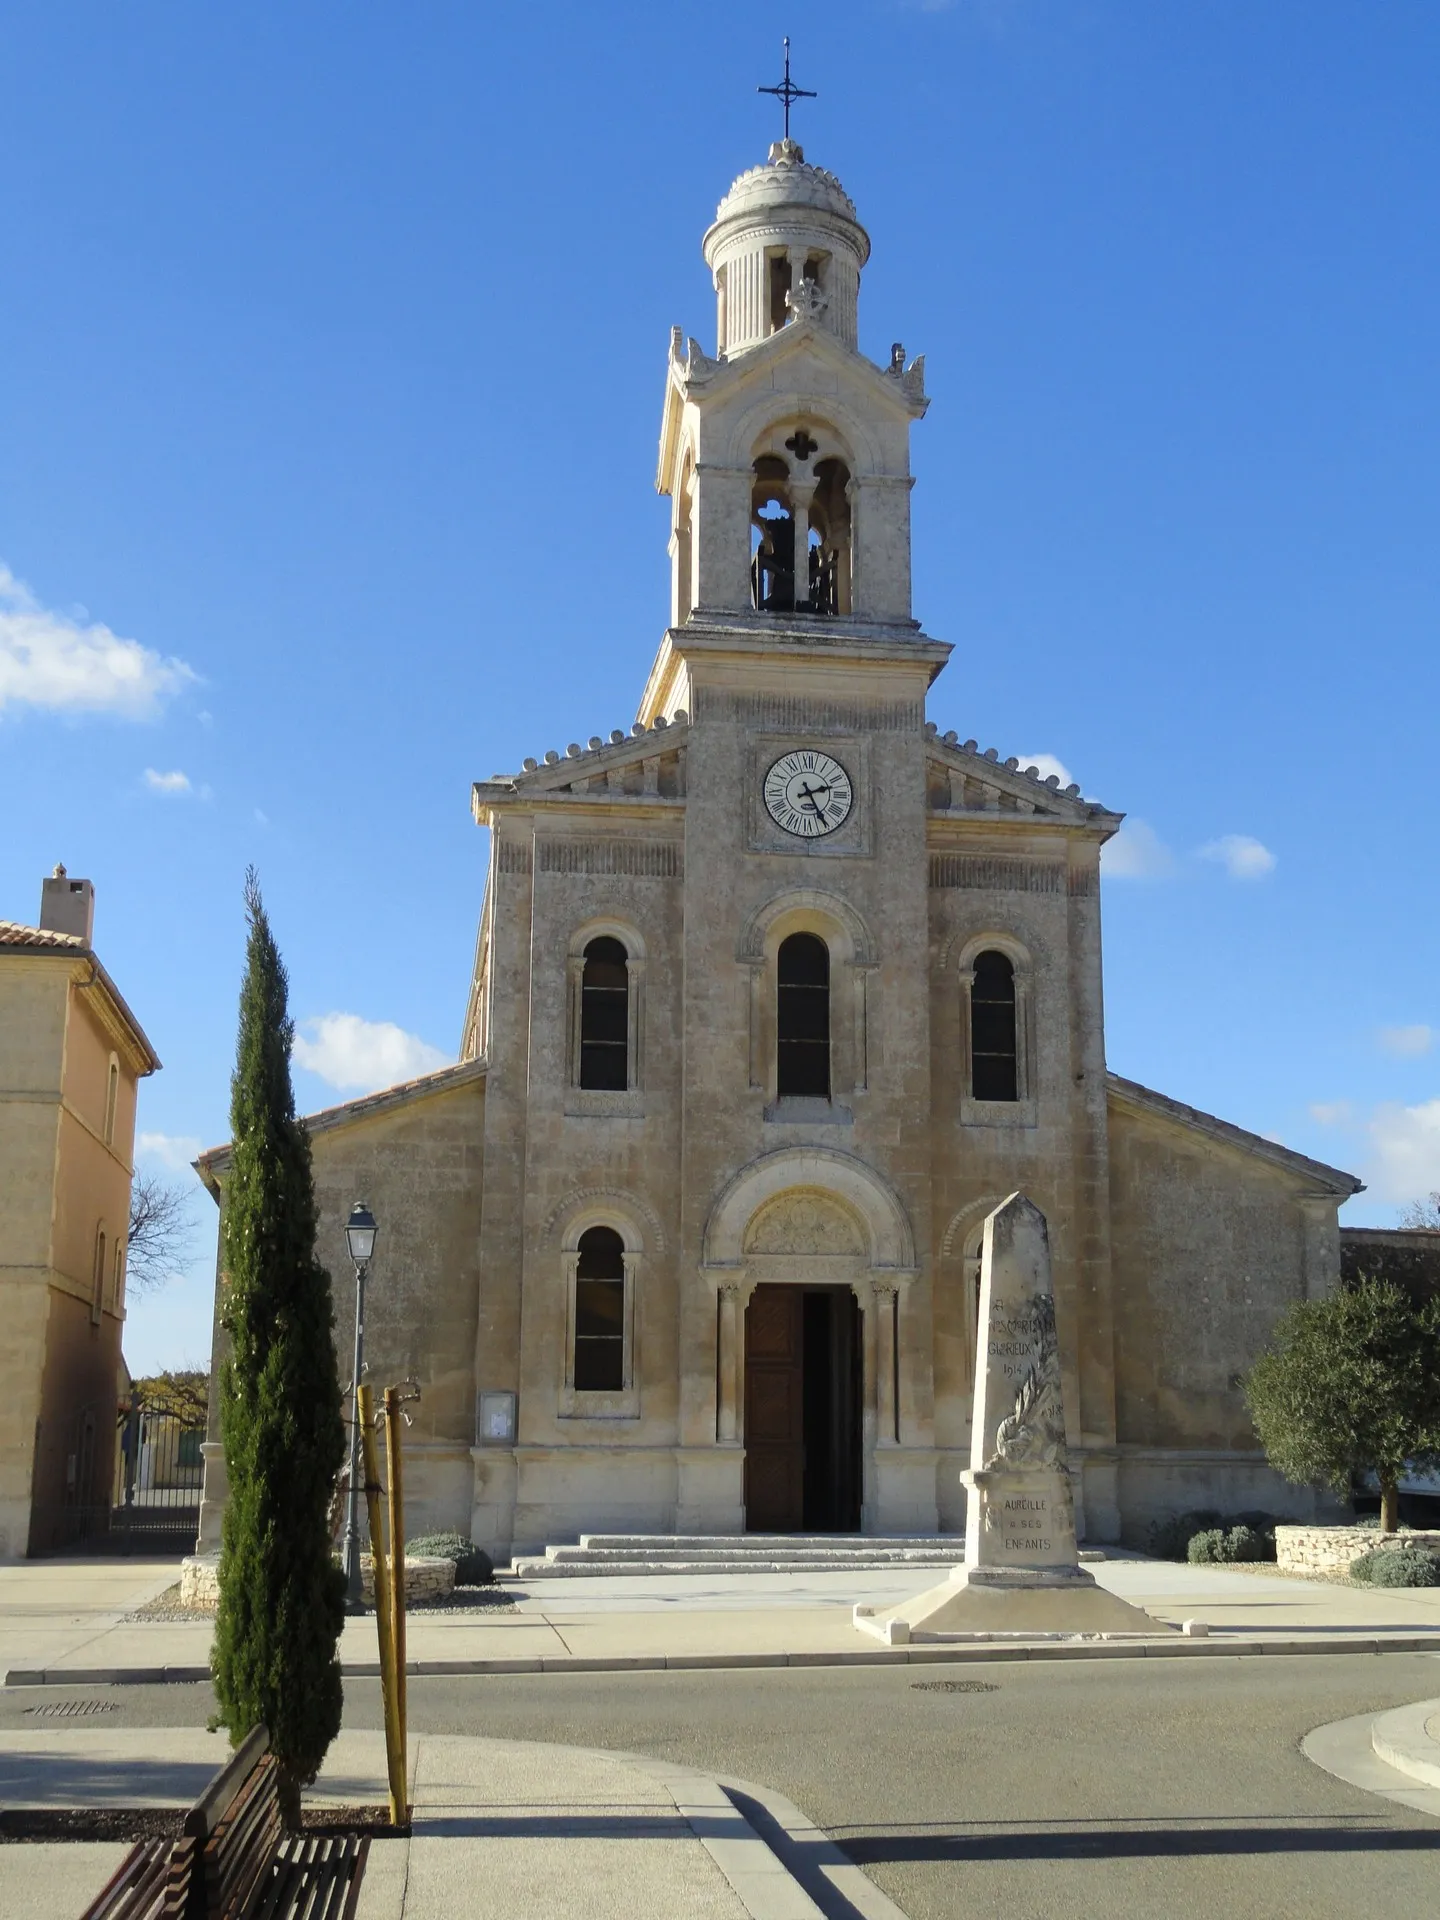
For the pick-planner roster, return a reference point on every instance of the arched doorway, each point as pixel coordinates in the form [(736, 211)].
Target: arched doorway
[(803, 1417), (809, 1250), (804, 1367)]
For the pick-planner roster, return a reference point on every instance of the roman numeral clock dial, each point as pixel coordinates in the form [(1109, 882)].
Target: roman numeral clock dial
[(808, 794)]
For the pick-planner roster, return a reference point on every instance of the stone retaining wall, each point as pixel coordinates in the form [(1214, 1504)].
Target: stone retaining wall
[(1335, 1549), (425, 1579)]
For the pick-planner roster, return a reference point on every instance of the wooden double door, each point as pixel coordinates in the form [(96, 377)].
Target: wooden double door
[(802, 1410)]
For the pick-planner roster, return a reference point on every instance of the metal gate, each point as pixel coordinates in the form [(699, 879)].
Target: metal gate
[(158, 1472)]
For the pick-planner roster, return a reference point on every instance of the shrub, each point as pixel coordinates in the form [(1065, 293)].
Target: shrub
[(1248, 1543), (1223, 1546), (1169, 1539), (472, 1563), (1208, 1548), (1398, 1567)]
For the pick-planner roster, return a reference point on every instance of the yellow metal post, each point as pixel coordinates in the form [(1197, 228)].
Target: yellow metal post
[(393, 1418), (393, 1754)]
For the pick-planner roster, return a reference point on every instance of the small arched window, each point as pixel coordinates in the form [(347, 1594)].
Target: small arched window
[(600, 1312), (605, 1017), (802, 1065), (994, 1057), (112, 1095)]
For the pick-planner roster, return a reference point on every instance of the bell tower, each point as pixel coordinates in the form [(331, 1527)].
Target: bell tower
[(786, 454)]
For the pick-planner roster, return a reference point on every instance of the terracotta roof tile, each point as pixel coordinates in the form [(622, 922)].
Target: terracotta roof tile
[(13, 934)]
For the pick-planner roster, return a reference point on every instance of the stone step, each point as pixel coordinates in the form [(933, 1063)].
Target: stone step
[(637, 1554), (743, 1543), (525, 1568)]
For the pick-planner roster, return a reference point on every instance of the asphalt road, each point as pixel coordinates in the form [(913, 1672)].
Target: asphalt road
[(1134, 1789)]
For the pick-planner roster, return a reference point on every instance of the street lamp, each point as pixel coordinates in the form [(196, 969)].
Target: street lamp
[(360, 1231)]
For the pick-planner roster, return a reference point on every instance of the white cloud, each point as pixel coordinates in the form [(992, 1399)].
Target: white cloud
[(172, 1150), (1242, 857), (1406, 1043), (167, 783), (1045, 764), (360, 1055), (1136, 853), (1405, 1151), (1330, 1113), (68, 664)]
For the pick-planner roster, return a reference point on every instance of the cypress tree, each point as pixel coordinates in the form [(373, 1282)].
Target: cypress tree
[(281, 1595)]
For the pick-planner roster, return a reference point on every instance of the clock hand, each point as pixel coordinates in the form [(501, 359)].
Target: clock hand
[(810, 794)]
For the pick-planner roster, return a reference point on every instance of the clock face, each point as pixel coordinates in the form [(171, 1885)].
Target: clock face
[(808, 793)]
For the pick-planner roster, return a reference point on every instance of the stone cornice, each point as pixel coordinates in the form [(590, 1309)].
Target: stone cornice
[(1332, 1180), (105, 999), (214, 1165)]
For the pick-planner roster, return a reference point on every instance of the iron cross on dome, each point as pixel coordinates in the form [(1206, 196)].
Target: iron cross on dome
[(787, 91)]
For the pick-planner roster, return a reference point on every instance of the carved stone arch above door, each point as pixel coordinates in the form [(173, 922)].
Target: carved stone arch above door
[(833, 1183)]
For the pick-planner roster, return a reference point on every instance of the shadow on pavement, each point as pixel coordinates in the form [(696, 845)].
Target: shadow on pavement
[(1132, 1843)]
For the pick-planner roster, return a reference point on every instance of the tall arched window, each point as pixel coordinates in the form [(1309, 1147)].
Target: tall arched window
[(112, 1094), (994, 1065), (802, 1065), (605, 1017), (600, 1312)]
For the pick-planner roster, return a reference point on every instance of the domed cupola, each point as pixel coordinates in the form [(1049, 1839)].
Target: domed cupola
[(786, 240)]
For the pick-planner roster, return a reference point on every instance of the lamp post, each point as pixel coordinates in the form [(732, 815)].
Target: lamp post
[(360, 1231)]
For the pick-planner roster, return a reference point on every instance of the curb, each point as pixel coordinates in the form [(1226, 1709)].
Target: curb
[(986, 1652), (1400, 1740), (1345, 1748)]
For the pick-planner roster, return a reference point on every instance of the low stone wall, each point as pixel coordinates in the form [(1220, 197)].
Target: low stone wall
[(425, 1580), (1335, 1549)]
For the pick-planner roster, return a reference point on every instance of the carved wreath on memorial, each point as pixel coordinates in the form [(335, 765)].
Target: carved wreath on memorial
[(1034, 1434)]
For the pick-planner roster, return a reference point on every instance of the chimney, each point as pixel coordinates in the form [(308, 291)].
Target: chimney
[(67, 906)]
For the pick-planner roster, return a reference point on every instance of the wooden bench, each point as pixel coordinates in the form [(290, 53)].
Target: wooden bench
[(234, 1860)]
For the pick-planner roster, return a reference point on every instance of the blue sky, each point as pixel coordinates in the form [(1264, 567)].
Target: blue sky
[(332, 342)]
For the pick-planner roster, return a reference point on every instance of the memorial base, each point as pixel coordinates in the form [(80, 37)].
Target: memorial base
[(1008, 1603)]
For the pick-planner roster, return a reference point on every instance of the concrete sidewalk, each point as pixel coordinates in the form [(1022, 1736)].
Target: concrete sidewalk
[(682, 1620), (501, 1828)]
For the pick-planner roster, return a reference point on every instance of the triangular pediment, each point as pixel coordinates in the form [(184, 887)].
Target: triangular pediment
[(649, 763), (959, 778), (804, 355), (802, 347)]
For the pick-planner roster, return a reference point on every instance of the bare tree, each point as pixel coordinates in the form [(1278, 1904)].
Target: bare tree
[(161, 1232), (1422, 1213)]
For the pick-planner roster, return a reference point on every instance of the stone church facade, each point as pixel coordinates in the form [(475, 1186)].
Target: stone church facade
[(775, 997)]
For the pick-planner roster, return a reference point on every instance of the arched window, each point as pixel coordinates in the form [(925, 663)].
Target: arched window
[(994, 1062), (605, 1017), (112, 1093), (600, 1312), (802, 1065)]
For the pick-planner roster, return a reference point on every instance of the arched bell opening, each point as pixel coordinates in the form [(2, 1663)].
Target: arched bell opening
[(772, 545), (829, 584), (801, 531)]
